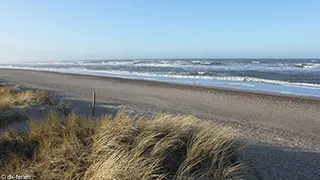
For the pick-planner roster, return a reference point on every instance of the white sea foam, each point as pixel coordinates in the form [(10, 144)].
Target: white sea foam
[(255, 62), (248, 79), (201, 73), (192, 72), (199, 65), (200, 76), (307, 65)]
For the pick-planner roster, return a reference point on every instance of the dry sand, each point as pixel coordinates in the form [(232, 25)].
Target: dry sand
[(282, 132)]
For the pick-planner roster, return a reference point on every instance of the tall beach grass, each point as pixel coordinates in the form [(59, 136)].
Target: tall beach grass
[(10, 97), (121, 147)]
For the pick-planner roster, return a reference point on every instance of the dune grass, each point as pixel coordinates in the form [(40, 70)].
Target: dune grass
[(10, 97), (120, 147)]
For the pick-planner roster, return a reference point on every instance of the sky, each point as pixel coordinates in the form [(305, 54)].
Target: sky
[(37, 30)]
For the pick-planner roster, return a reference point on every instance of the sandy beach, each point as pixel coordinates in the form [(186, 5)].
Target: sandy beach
[(282, 132)]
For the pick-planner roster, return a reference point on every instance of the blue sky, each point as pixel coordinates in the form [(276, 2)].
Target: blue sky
[(64, 30)]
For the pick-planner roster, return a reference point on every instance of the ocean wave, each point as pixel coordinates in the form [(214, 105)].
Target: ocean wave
[(252, 79), (255, 62), (248, 79), (117, 63), (200, 78), (307, 65), (191, 65), (228, 65), (195, 75), (207, 63)]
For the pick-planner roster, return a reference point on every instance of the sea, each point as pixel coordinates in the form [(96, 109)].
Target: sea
[(283, 76)]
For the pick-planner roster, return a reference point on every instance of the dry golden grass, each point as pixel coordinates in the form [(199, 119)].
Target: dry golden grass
[(50, 149), (10, 97), (120, 147)]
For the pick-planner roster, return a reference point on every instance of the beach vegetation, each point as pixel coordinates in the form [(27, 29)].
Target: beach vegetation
[(10, 97), (121, 147), (14, 102)]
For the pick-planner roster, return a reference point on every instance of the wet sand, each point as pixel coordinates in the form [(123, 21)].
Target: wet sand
[(281, 129)]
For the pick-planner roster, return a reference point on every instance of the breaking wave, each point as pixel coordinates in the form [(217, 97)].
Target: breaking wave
[(294, 76)]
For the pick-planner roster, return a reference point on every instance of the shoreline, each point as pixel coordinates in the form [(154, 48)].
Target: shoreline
[(280, 130), (289, 112), (182, 85)]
